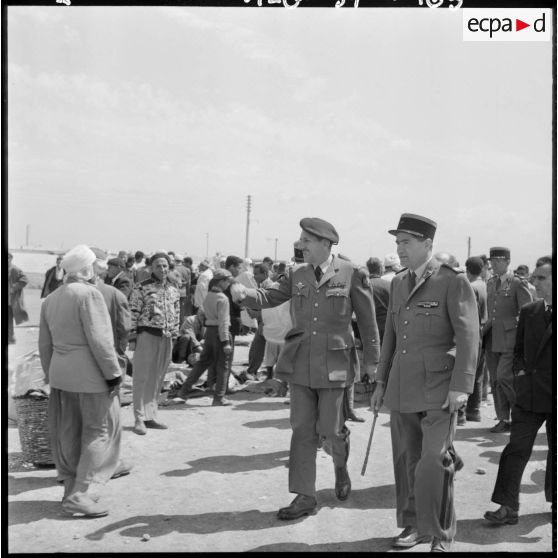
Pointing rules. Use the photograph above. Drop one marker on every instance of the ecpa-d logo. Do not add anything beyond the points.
(499, 24)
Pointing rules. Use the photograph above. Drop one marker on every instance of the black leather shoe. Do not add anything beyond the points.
(342, 483)
(156, 425)
(355, 418)
(440, 546)
(409, 537)
(504, 515)
(502, 426)
(301, 505)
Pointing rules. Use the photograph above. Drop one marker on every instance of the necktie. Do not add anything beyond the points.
(548, 314)
(318, 273)
(498, 283)
(412, 280)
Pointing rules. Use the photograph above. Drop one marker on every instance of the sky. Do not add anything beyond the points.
(148, 127)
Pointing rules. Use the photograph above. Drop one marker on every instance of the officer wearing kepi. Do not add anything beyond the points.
(319, 358)
(427, 368)
(506, 294)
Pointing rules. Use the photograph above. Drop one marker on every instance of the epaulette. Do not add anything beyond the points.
(522, 279)
(400, 271)
(454, 269)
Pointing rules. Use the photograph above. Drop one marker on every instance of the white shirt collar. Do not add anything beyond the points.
(326, 264)
(419, 271)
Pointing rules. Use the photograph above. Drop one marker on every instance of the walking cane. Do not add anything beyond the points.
(369, 444)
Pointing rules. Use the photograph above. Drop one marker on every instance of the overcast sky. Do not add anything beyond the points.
(147, 127)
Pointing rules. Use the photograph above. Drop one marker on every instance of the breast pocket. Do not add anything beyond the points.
(338, 299)
(430, 320)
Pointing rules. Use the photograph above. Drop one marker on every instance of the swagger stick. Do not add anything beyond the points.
(369, 444)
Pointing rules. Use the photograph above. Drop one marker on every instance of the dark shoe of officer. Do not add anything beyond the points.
(155, 425)
(342, 483)
(440, 546)
(301, 505)
(504, 515)
(473, 416)
(354, 417)
(409, 537)
(220, 402)
(502, 426)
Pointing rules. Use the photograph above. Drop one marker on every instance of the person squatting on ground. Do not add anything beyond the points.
(77, 353)
(155, 307)
(534, 401)
(427, 368)
(506, 294)
(319, 357)
(217, 347)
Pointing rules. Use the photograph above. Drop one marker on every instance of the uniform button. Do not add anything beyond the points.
(428, 313)
(493, 319)
(404, 351)
(315, 319)
(317, 291)
(404, 337)
(408, 308)
(313, 333)
(406, 322)
(316, 304)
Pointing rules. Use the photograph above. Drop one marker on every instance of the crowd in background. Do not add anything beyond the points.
(171, 310)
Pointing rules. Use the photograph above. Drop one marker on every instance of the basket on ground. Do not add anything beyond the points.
(32, 423)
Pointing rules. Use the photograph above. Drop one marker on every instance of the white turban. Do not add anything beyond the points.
(77, 258)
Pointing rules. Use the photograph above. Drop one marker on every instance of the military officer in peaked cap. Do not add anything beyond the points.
(506, 294)
(427, 368)
(319, 358)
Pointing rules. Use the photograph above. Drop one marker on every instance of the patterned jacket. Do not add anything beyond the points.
(155, 307)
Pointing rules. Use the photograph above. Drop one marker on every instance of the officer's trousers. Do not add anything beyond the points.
(501, 381)
(424, 472)
(316, 414)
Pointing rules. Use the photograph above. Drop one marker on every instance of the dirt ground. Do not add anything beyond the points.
(214, 480)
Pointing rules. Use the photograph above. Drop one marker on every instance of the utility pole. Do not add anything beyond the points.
(248, 209)
(468, 247)
(276, 241)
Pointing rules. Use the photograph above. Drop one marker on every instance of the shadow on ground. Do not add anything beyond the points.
(227, 464)
(252, 520)
(481, 532)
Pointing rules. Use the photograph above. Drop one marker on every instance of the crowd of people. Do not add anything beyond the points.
(431, 336)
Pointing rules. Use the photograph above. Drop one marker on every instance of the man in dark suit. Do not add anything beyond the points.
(534, 404)
(427, 368)
(54, 277)
(319, 358)
(116, 276)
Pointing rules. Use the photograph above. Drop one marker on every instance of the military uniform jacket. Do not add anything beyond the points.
(504, 304)
(431, 339)
(319, 350)
(532, 362)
